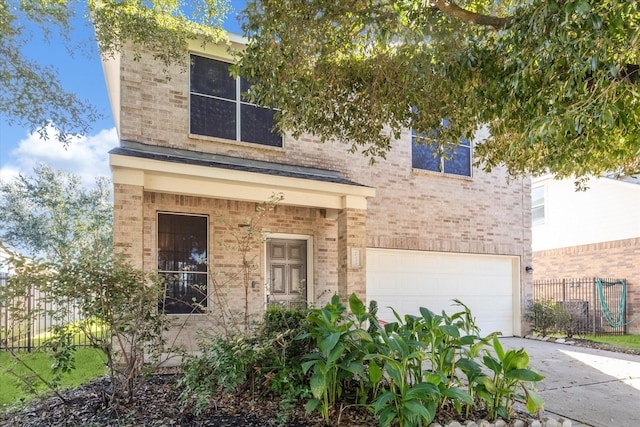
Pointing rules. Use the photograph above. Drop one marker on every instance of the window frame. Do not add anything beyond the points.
(204, 301)
(239, 102)
(442, 161)
(543, 205)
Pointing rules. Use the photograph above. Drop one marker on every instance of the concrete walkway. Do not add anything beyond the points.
(590, 387)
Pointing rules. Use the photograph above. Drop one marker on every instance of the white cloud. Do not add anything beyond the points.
(85, 156)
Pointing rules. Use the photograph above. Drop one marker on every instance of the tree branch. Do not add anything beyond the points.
(451, 9)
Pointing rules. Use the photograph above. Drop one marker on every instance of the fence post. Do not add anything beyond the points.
(625, 327)
(595, 303)
(30, 323)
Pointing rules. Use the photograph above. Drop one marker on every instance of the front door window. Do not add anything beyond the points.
(287, 266)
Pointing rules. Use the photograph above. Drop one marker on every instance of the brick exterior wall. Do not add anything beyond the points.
(419, 210)
(412, 209)
(616, 259)
(352, 235)
(225, 260)
(128, 230)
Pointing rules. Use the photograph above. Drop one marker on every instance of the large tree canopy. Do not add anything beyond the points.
(555, 81)
(31, 93)
(50, 215)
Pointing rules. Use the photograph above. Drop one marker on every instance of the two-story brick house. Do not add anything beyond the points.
(589, 234)
(410, 230)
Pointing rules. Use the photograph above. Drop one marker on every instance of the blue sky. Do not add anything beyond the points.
(82, 75)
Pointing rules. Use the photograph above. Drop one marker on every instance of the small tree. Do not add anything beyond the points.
(66, 231)
(116, 307)
(124, 300)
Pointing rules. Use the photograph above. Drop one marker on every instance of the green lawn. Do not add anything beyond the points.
(627, 341)
(90, 363)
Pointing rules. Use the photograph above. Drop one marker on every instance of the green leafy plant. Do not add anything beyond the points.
(404, 371)
(411, 368)
(405, 399)
(331, 364)
(223, 365)
(420, 354)
(279, 364)
(510, 372)
(124, 300)
(106, 291)
(338, 364)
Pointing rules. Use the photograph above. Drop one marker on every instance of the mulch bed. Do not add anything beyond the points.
(158, 404)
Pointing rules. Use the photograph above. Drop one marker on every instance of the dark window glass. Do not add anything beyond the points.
(458, 162)
(182, 262)
(185, 293)
(423, 156)
(213, 117)
(211, 77)
(214, 106)
(256, 126)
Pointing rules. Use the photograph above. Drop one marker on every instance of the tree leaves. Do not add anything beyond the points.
(31, 93)
(551, 84)
(51, 215)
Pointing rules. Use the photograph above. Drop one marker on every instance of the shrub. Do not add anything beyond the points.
(283, 326)
(283, 346)
(547, 316)
(116, 302)
(234, 363)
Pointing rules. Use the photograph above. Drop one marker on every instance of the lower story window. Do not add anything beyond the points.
(182, 262)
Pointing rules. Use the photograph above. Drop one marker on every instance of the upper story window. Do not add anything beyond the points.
(217, 108)
(456, 161)
(537, 205)
(182, 262)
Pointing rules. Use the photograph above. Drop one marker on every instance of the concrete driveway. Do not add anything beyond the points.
(587, 386)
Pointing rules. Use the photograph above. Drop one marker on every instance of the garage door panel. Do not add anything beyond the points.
(408, 280)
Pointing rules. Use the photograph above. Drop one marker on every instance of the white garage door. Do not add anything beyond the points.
(408, 280)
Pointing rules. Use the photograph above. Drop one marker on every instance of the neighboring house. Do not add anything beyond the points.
(592, 233)
(400, 231)
(4, 265)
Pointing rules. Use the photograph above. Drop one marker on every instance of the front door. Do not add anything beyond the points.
(287, 266)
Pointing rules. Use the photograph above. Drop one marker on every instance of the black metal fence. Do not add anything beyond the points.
(595, 305)
(38, 315)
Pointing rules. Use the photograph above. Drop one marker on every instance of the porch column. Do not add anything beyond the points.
(128, 222)
(352, 240)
